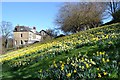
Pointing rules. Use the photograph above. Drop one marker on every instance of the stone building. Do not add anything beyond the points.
(24, 35)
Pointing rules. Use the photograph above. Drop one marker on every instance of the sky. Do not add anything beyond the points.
(39, 14)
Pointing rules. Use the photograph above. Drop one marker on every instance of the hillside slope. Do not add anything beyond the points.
(88, 54)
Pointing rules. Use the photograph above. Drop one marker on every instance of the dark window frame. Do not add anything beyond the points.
(21, 35)
(21, 42)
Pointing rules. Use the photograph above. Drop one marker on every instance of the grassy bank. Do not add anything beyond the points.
(88, 54)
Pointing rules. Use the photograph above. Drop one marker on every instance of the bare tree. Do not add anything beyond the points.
(51, 32)
(113, 7)
(6, 30)
(74, 17)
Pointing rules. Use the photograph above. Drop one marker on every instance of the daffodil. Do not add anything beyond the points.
(55, 65)
(90, 65)
(82, 67)
(60, 61)
(75, 71)
(68, 75)
(108, 60)
(103, 59)
(98, 69)
(40, 70)
(102, 53)
(105, 73)
(87, 66)
(110, 42)
(99, 75)
(62, 66)
(106, 36)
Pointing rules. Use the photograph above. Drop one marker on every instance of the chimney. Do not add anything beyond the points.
(34, 28)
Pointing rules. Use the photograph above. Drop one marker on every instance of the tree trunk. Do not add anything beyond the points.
(6, 43)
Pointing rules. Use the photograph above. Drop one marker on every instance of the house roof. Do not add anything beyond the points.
(27, 29)
(45, 32)
(22, 29)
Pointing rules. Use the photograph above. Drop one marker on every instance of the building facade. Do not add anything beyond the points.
(24, 35)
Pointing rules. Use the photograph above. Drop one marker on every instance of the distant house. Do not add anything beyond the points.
(24, 35)
(45, 35)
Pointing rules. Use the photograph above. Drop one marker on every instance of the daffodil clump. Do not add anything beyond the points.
(81, 66)
(88, 54)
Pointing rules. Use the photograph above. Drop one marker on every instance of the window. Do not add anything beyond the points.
(15, 42)
(26, 41)
(21, 29)
(21, 35)
(21, 42)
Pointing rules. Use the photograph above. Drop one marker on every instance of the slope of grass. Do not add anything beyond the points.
(88, 54)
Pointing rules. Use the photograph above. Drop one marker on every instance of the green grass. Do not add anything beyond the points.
(103, 39)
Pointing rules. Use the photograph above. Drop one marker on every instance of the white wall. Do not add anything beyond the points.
(38, 37)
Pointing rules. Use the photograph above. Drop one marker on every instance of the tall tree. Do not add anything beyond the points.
(116, 16)
(6, 30)
(74, 17)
